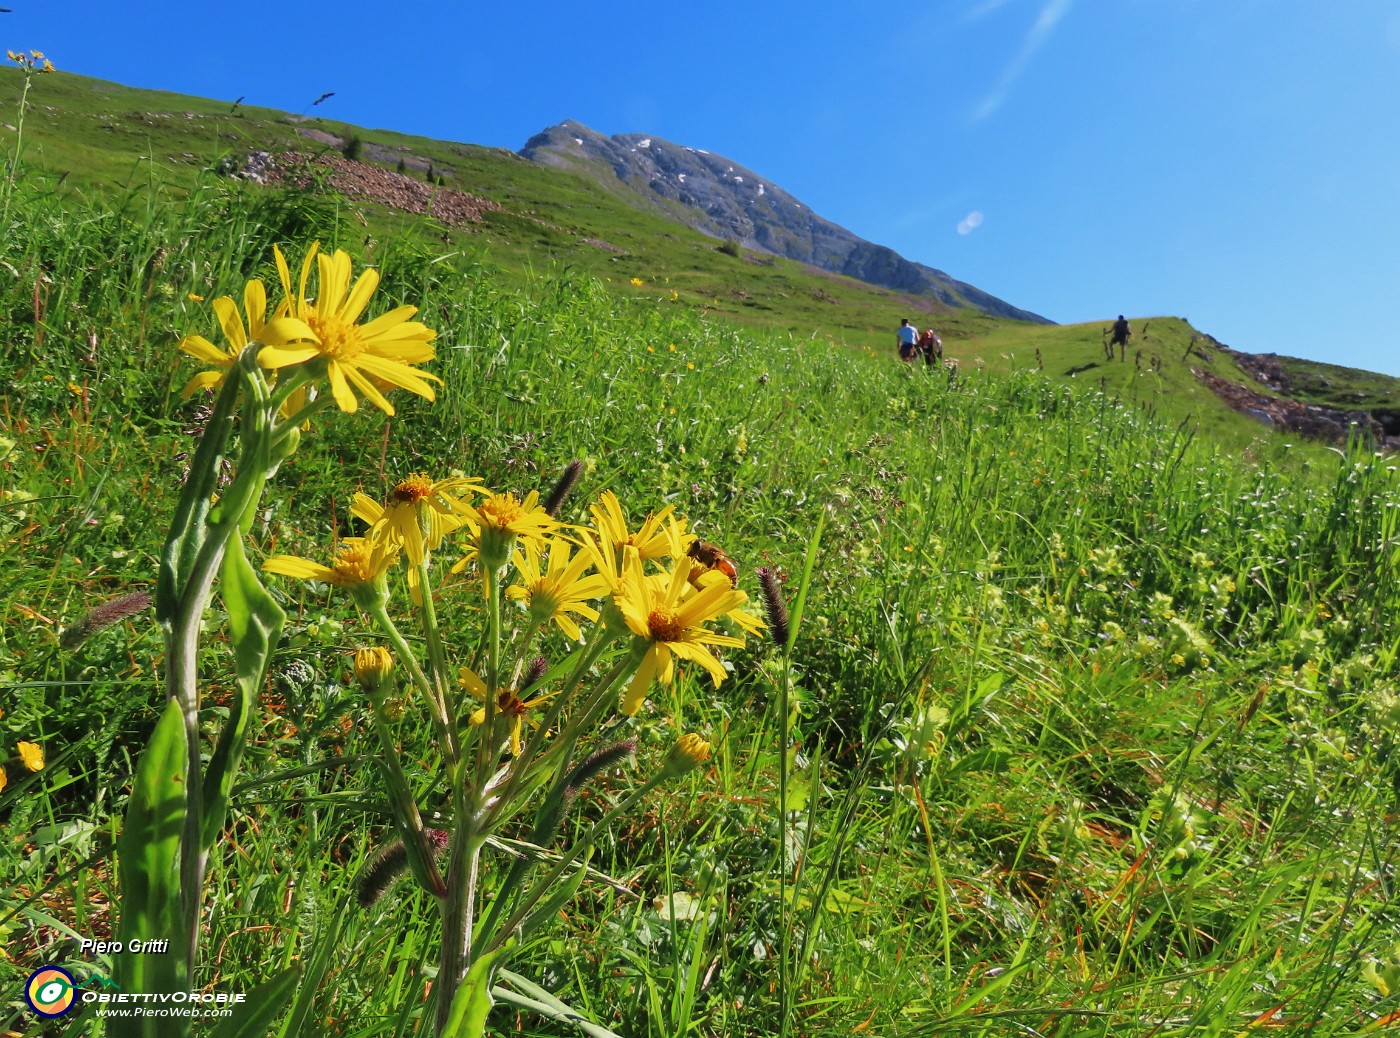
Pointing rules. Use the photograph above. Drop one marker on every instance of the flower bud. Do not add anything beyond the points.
(373, 669)
(31, 755)
(689, 753)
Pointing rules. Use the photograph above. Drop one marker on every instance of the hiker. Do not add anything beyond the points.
(1122, 332)
(931, 346)
(907, 339)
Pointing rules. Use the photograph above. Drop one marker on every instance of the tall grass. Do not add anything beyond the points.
(1093, 726)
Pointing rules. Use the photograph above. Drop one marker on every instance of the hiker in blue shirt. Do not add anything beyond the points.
(907, 338)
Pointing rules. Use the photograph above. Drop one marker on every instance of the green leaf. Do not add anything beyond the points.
(472, 1003)
(541, 1002)
(253, 1018)
(989, 758)
(809, 563)
(189, 527)
(255, 623)
(326, 945)
(563, 893)
(148, 856)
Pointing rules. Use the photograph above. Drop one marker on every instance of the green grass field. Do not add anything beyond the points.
(1092, 706)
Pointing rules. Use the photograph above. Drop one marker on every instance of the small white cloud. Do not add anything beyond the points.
(1052, 12)
(970, 222)
(983, 9)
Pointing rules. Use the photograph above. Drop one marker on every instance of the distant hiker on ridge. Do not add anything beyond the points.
(907, 339)
(1122, 332)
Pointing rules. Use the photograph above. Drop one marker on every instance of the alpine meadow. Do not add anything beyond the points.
(538, 617)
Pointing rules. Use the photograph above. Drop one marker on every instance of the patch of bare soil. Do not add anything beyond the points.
(396, 190)
(1321, 423)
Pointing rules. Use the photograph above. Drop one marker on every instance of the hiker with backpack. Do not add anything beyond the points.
(1122, 332)
(931, 347)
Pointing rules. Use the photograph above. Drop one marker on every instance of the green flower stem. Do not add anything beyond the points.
(447, 741)
(191, 598)
(437, 657)
(458, 908)
(784, 904)
(296, 378)
(565, 744)
(485, 747)
(405, 807)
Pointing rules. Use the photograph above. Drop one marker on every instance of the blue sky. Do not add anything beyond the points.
(1234, 162)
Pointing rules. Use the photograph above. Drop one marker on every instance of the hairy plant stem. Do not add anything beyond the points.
(437, 660)
(405, 807)
(192, 589)
(436, 709)
(469, 782)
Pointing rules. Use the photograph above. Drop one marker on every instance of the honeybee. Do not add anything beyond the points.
(712, 556)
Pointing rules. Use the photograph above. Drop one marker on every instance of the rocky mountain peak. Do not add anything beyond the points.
(718, 196)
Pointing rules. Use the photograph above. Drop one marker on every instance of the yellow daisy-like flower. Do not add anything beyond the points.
(4, 780)
(702, 577)
(660, 536)
(499, 521)
(558, 589)
(359, 561)
(419, 513)
(236, 334)
(667, 622)
(363, 357)
(508, 705)
(31, 755)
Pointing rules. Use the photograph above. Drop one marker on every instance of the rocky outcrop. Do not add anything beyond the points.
(363, 179)
(721, 198)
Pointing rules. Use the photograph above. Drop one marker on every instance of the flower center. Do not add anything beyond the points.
(509, 704)
(500, 510)
(664, 626)
(339, 340)
(353, 564)
(416, 487)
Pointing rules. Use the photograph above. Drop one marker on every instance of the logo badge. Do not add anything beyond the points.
(50, 991)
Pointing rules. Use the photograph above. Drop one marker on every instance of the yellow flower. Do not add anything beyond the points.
(31, 755)
(638, 282)
(4, 780)
(667, 622)
(360, 562)
(497, 522)
(660, 536)
(417, 516)
(508, 705)
(372, 668)
(236, 333)
(362, 357)
(690, 751)
(561, 589)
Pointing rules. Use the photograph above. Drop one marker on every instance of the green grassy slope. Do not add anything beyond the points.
(1069, 691)
(94, 134)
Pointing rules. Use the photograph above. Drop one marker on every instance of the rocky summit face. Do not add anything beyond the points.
(721, 198)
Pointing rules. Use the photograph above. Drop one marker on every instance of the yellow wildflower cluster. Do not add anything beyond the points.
(651, 584)
(34, 61)
(320, 334)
